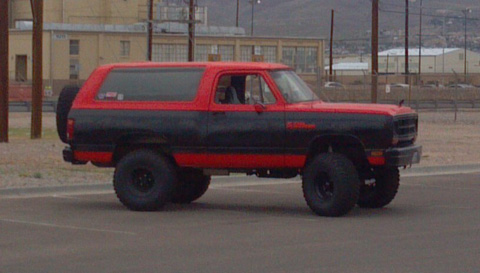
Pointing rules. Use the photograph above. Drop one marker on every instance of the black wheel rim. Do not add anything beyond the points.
(142, 180)
(324, 187)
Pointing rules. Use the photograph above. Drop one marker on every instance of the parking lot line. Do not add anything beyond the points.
(13, 221)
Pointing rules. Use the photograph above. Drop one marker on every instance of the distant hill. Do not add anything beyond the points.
(311, 18)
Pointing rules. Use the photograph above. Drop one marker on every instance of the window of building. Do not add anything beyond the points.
(151, 84)
(269, 54)
(74, 69)
(227, 52)
(302, 59)
(201, 52)
(74, 47)
(289, 56)
(124, 48)
(169, 53)
(246, 53)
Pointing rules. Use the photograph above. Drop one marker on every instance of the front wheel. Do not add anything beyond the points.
(331, 185)
(382, 190)
(144, 180)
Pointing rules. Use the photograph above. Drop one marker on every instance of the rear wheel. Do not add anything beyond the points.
(191, 185)
(144, 180)
(382, 190)
(331, 185)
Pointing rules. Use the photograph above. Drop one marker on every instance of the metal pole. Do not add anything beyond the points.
(4, 71)
(238, 7)
(465, 55)
(374, 50)
(191, 31)
(150, 30)
(37, 88)
(386, 70)
(331, 45)
(420, 41)
(253, 9)
(406, 42)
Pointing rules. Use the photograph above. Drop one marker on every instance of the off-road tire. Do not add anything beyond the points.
(382, 191)
(331, 185)
(144, 180)
(190, 186)
(64, 104)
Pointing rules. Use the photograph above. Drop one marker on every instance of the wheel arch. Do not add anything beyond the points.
(131, 142)
(347, 145)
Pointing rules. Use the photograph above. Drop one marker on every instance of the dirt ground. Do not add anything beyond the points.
(30, 163)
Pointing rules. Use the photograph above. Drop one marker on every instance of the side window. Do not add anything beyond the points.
(257, 91)
(243, 89)
(151, 84)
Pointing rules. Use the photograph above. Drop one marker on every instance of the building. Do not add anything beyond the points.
(434, 61)
(82, 35)
(348, 69)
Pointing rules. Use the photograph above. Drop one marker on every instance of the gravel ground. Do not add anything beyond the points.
(32, 163)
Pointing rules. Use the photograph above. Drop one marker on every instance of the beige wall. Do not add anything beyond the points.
(21, 44)
(104, 48)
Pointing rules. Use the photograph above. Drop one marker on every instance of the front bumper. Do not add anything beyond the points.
(403, 156)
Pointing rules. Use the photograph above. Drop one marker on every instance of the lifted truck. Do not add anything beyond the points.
(167, 127)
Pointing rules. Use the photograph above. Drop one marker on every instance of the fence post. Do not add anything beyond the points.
(456, 110)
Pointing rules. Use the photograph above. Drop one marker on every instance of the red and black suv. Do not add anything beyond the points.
(167, 127)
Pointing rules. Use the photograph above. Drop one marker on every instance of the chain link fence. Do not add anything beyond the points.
(420, 92)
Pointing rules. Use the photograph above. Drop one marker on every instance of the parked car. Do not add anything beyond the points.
(460, 86)
(432, 86)
(334, 85)
(399, 85)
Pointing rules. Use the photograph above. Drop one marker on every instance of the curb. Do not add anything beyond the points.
(52, 190)
(222, 181)
(440, 170)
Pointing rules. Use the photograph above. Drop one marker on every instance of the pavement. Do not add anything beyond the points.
(246, 225)
(106, 187)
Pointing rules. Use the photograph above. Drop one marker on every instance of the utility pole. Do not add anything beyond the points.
(150, 30)
(331, 46)
(465, 12)
(37, 88)
(420, 41)
(191, 31)
(238, 8)
(253, 10)
(374, 50)
(4, 71)
(406, 42)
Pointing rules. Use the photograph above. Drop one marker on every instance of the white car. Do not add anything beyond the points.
(432, 86)
(399, 85)
(460, 86)
(334, 85)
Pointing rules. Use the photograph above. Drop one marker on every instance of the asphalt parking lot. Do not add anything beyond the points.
(246, 225)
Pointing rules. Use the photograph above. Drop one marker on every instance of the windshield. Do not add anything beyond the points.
(293, 88)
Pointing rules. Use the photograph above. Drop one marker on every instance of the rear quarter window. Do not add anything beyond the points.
(151, 84)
